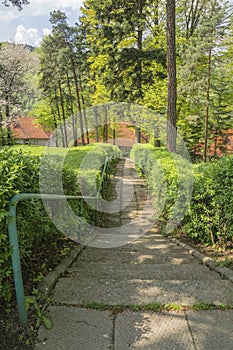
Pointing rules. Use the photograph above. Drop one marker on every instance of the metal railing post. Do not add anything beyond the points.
(16, 265)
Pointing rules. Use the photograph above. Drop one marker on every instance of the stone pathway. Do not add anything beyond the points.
(144, 274)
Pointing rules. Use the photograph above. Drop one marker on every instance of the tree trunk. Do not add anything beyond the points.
(105, 129)
(63, 114)
(55, 128)
(96, 125)
(59, 118)
(207, 108)
(138, 134)
(139, 47)
(78, 100)
(156, 19)
(74, 126)
(84, 112)
(171, 70)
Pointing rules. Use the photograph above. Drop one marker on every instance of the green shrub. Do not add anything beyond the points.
(210, 216)
(19, 173)
(169, 179)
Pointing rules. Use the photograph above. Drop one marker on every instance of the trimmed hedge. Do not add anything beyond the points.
(19, 173)
(207, 216)
(210, 216)
(169, 179)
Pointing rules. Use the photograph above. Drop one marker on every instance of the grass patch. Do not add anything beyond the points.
(154, 307)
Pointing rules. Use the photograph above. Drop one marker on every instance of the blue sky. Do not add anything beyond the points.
(29, 25)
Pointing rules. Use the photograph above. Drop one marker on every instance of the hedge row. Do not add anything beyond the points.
(169, 179)
(210, 215)
(19, 173)
(207, 215)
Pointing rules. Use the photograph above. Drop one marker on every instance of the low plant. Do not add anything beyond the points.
(39, 308)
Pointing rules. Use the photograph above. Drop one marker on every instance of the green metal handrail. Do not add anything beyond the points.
(13, 236)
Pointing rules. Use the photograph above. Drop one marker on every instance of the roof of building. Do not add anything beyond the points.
(124, 135)
(223, 144)
(28, 128)
(220, 144)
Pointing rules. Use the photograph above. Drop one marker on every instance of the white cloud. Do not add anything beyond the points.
(44, 7)
(38, 8)
(30, 36)
(34, 18)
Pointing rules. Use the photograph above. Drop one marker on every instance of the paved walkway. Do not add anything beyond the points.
(139, 278)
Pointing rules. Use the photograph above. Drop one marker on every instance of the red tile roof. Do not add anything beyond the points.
(220, 145)
(28, 128)
(124, 135)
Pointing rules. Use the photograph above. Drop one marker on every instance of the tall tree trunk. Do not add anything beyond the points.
(114, 135)
(74, 126)
(63, 114)
(171, 70)
(59, 118)
(78, 100)
(55, 128)
(105, 129)
(207, 108)
(156, 19)
(84, 111)
(96, 125)
(1, 130)
(139, 46)
(138, 134)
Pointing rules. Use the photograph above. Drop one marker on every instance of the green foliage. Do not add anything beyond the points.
(40, 309)
(169, 179)
(16, 172)
(124, 50)
(19, 173)
(210, 216)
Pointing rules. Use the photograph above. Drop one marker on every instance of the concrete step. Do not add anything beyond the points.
(119, 271)
(75, 291)
(150, 247)
(110, 257)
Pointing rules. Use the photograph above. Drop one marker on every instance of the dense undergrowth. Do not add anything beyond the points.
(205, 212)
(19, 173)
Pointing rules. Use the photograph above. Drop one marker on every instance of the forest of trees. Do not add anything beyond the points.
(124, 51)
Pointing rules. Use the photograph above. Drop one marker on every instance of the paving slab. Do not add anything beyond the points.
(119, 271)
(76, 291)
(111, 257)
(152, 248)
(212, 329)
(150, 331)
(77, 329)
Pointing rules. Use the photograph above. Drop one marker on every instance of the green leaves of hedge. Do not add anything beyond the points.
(169, 178)
(209, 212)
(210, 216)
(19, 173)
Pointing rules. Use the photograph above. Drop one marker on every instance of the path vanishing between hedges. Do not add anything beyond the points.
(139, 278)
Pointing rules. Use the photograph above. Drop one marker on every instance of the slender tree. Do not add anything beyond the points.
(64, 36)
(171, 70)
(202, 52)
